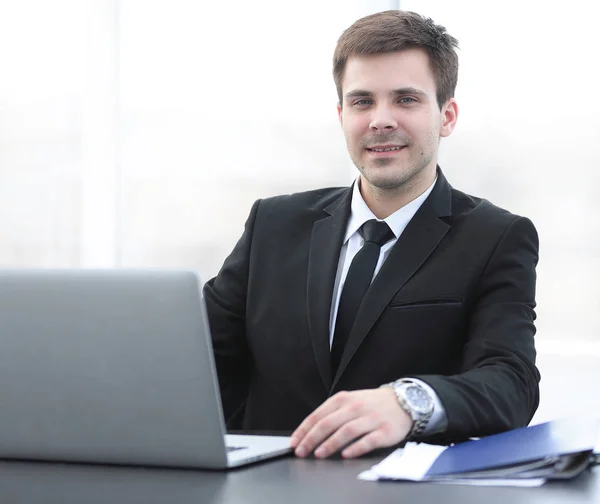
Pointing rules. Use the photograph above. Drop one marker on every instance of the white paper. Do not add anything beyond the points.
(369, 475)
(410, 463)
(413, 462)
(531, 482)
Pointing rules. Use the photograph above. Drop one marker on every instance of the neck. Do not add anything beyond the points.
(383, 202)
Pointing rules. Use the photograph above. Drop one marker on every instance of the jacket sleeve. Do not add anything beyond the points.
(225, 297)
(497, 388)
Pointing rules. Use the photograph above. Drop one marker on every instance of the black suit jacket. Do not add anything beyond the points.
(453, 305)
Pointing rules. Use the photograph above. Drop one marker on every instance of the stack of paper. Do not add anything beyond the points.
(414, 461)
(521, 457)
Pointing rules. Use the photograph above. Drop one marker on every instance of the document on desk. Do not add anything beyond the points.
(528, 456)
(412, 463)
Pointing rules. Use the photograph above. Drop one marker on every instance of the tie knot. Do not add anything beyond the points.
(376, 231)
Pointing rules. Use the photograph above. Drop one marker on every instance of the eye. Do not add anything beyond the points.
(362, 103)
(407, 100)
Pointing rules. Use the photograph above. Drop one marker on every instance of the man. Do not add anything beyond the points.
(440, 347)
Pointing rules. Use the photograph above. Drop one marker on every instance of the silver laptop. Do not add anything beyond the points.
(113, 366)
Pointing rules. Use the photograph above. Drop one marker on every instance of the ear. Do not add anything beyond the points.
(339, 111)
(449, 117)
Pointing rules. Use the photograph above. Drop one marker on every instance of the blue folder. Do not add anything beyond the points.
(519, 447)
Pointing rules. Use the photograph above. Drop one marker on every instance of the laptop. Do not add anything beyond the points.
(113, 367)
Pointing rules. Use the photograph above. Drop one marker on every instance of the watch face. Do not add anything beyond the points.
(418, 399)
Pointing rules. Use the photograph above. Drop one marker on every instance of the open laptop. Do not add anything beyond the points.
(113, 366)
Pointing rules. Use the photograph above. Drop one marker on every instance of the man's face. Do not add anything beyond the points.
(391, 119)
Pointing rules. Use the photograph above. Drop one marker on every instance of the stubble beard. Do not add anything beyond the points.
(406, 174)
(402, 178)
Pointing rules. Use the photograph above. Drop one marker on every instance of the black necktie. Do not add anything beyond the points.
(357, 283)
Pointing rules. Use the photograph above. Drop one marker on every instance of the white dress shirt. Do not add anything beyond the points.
(353, 241)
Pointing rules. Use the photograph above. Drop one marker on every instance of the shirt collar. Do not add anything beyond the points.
(361, 213)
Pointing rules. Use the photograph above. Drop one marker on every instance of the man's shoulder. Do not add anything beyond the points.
(475, 211)
(479, 208)
(305, 201)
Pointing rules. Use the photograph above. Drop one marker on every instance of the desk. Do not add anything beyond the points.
(282, 481)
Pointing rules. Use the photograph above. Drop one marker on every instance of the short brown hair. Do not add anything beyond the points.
(396, 30)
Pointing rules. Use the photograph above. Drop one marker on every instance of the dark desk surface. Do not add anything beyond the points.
(282, 481)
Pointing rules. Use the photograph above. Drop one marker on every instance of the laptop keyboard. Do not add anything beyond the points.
(234, 448)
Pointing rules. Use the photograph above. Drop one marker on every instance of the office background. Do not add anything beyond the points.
(139, 132)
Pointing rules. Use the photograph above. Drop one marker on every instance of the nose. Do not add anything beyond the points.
(383, 119)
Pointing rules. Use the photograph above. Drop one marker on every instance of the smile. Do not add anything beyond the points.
(385, 149)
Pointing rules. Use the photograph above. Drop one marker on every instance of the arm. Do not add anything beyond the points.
(225, 297)
(497, 388)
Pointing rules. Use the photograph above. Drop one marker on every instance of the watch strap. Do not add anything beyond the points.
(420, 420)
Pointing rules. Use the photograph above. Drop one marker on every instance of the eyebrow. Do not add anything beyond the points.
(361, 93)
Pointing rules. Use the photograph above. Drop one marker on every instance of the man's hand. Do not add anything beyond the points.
(372, 415)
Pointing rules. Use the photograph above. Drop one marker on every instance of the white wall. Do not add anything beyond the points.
(40, 134)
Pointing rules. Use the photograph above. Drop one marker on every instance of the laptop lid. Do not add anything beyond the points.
(111, 366)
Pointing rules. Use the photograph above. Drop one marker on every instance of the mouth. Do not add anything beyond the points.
(385, 149)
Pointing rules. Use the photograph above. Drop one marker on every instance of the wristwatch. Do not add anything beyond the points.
(416, 401)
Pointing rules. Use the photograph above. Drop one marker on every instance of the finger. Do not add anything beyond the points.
(348, 432)
(369, 442)
(328, 407)
(325, 427)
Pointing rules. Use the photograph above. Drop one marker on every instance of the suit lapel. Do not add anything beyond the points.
(420, 238)
(325, 246)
